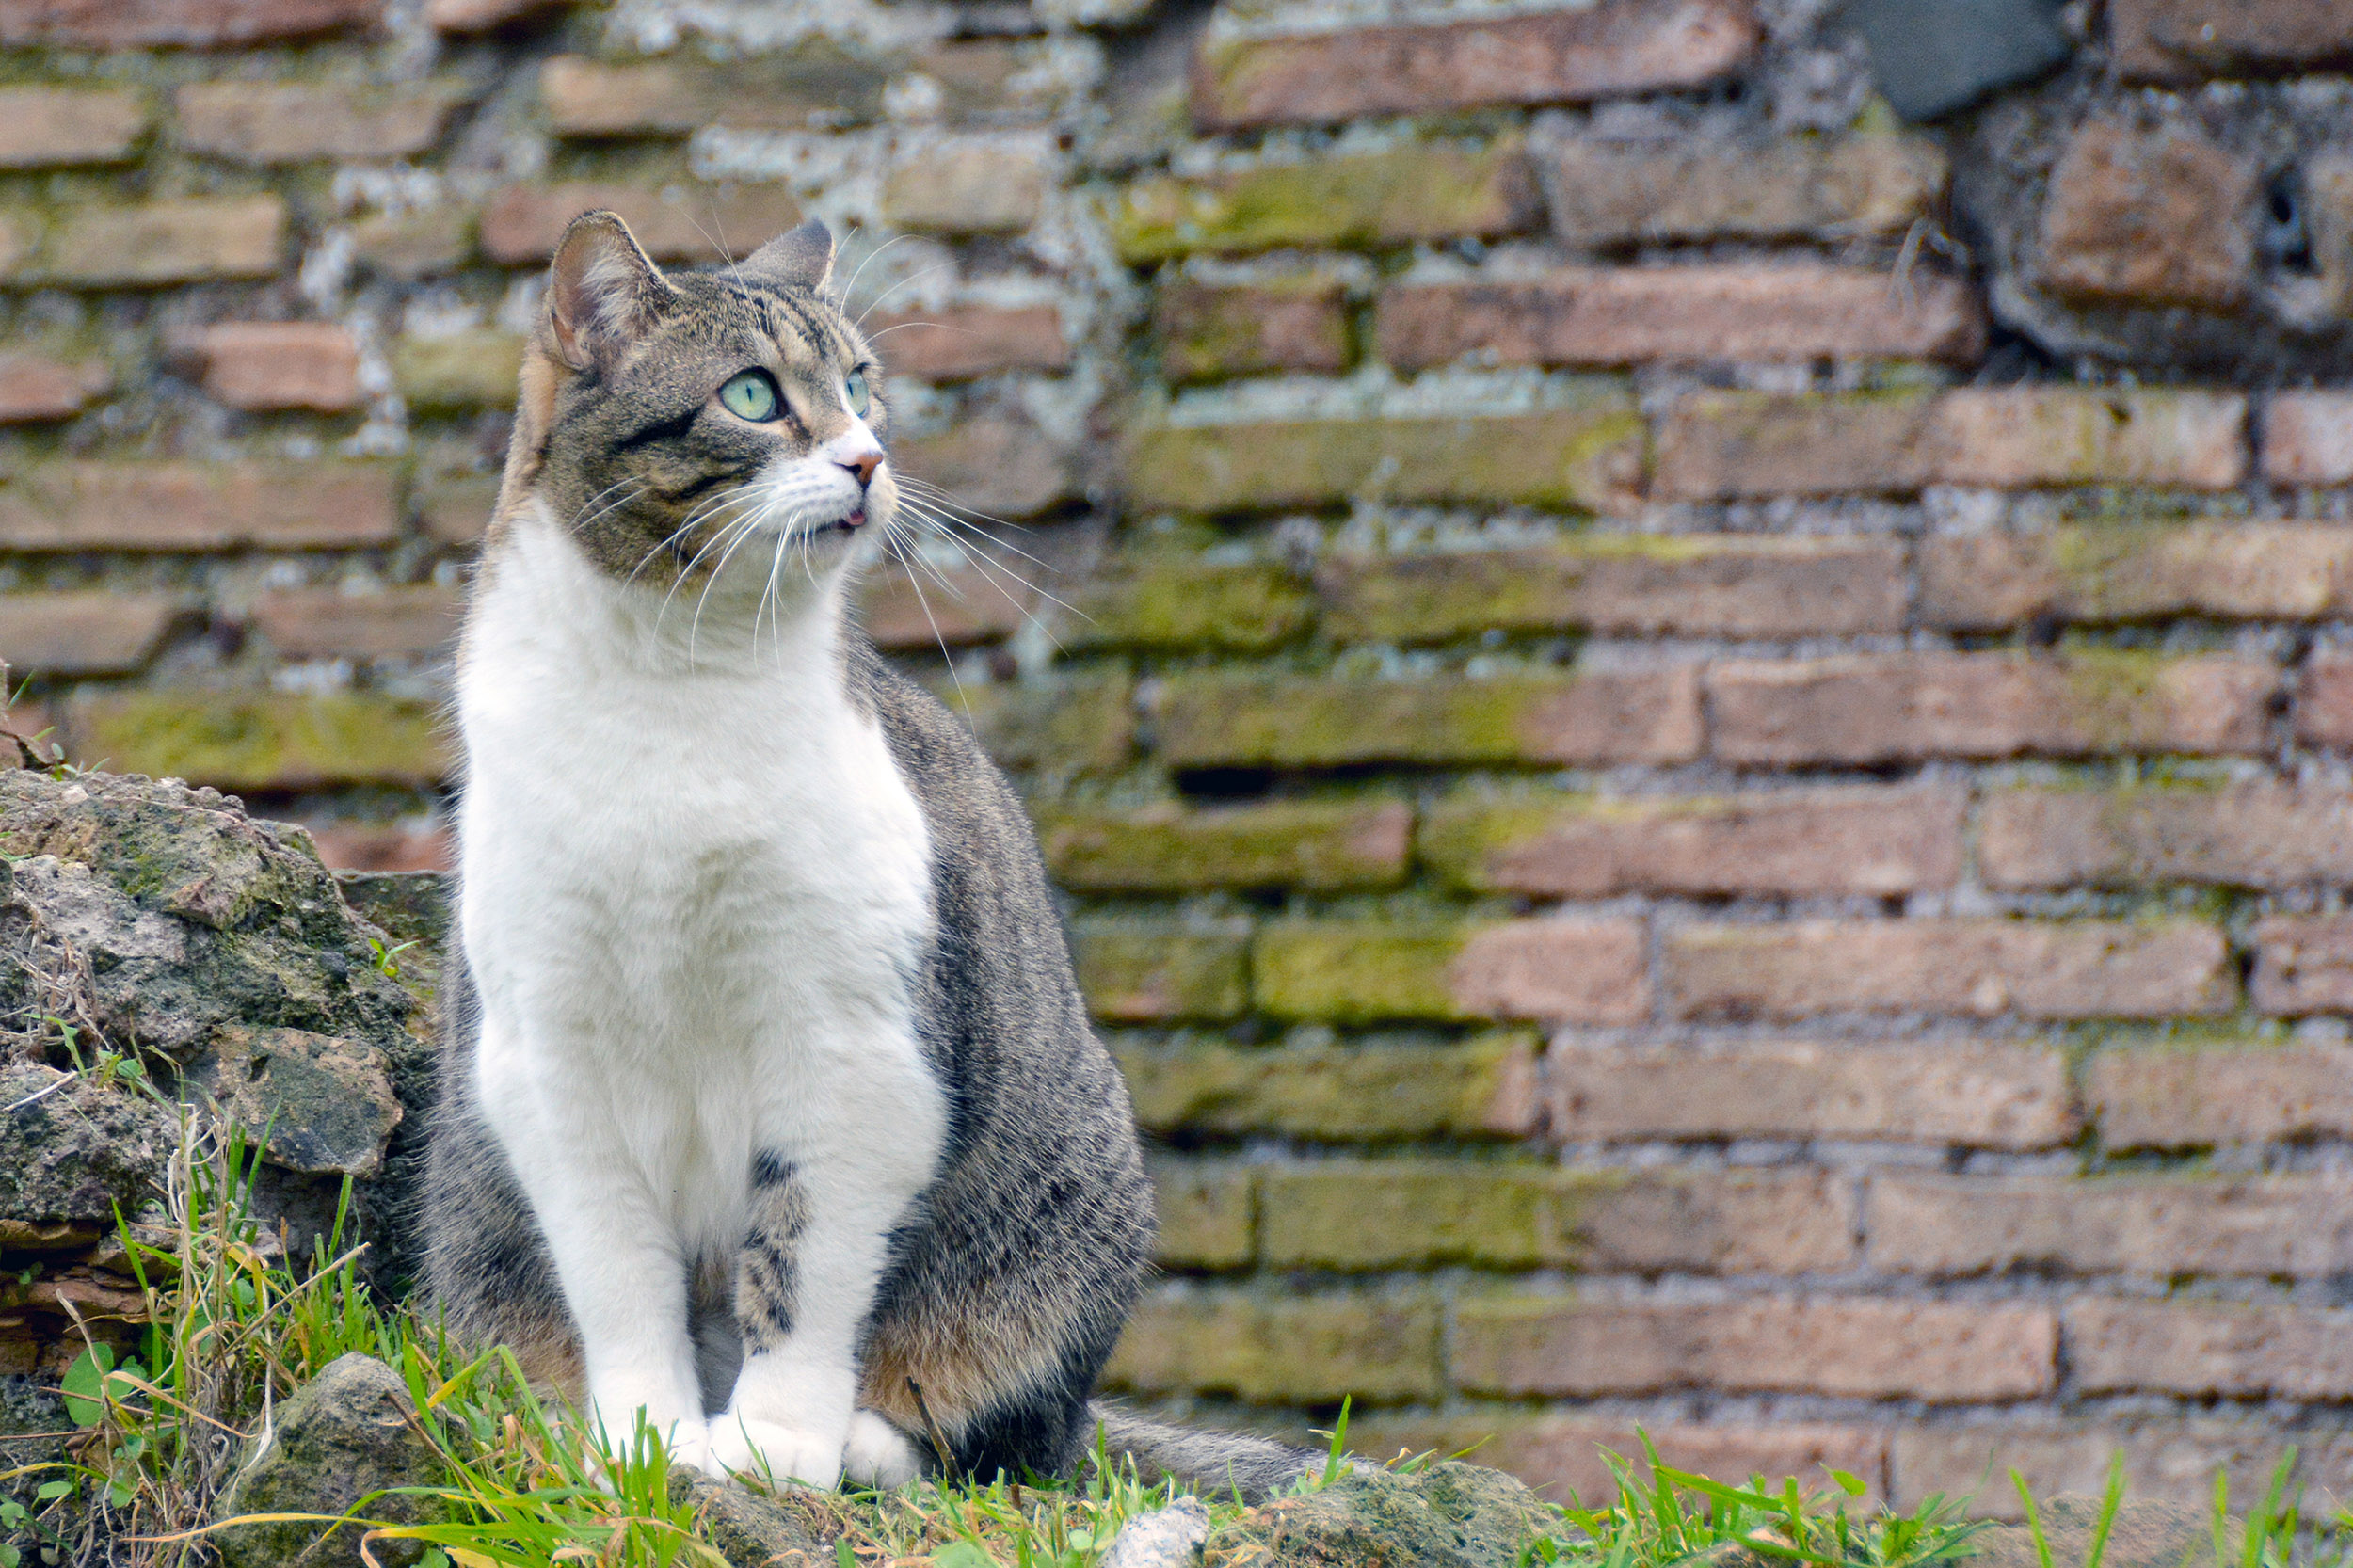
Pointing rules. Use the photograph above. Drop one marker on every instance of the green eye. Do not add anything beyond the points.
(855, 390)
(751, 395)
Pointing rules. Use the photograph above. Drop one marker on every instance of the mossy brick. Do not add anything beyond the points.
(75, 506)
(1208, 1212)
(477, 369)
(261, 740)
(1634, 585)
(2136, 571)
(185, 240)
(1246, 606)
(1366, 972)
(1377, 1348)
(1605, 192)
(1167, 848)
(456, 508)
(1220, 720)
(1432, 192)
(1413, 1213)
(1586, 457)
(1137, 973)
(1208, 332)
(810, 87)
(1481, 1087)
(1082, 725)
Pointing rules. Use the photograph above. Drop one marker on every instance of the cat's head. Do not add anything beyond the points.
(671, 422)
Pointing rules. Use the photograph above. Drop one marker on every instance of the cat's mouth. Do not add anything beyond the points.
(849, 524)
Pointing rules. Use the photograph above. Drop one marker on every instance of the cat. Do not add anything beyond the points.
(769, 1105)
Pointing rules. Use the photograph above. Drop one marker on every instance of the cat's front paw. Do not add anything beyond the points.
(738, 1443)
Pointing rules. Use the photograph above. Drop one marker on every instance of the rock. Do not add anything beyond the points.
(1168, 1538)
(1450, 1515)
(350, 1434)
(2145, 1535)
(1931, 57)
(73, 1152)
(325, 1103)
(752, 1530)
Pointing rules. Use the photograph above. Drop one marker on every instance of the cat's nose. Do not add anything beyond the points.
(863, 464)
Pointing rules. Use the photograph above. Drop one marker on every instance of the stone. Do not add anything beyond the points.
(1931, 57)
(43, 127)
(747, 1529)
(336, 1446)
(2157, 217)
(75, 1153)
(2171, 40)
(1167, 1537)
(1448, 1515)
(313, 1102)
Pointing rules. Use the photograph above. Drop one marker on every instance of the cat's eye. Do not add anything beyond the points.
(855, 389)
(751, 395)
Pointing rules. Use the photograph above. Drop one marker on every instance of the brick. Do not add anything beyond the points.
(2136, 571)
(1376, 1349)
(673, 97)
(1481, 1087)
(2170, 1096)
(683, 223)
(1722, 446)
(1627, 315)
(1182, 601)
(992, 465)
(2303, 964)
(257, 741)
(1984, 1093)
(2307, 438)
(1926, 1223)
(76, 632)
(970, 185)
(1630, 585)
(1871, 842)
(455, 509)
(1002, 81)
(1298, 722)
(2180, 1348)
(1080, 726)
(957, 343)
(1207, 334)
(2165, 1461)
(1432, 192)
(1167, 848)
(183, 505)
(409, 246)
(200, 23)
(190, 241)
(324, 623)
(480, 16)
(1880, 708)
(1610, 193)
(34, 387)
(1585, 458)
(903, 608)
(478, 368)
(383, 847)
(1581, 972)
(276, 364)
(1159, 973)
(286, 122)
(2323, 709)
(1208, 1213)
(1969, 967)
(1561, 1455)
(1859, 1348)
(2173, 39)
(1416, 1213)
(2147, 217)
(1618, 46)
(2254, 835)
(41, 127)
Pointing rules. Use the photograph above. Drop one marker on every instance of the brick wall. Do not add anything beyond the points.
(1698, 740)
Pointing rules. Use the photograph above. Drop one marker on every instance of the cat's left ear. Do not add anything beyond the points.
(799, 258)
(602, 289)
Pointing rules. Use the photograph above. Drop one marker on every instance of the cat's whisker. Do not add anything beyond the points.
(876, 303)
(999, 573)
(871, 257)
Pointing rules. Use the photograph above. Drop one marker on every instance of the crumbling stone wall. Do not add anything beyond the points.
(1698, 738)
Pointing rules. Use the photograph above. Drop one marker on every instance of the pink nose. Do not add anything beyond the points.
(863, 465)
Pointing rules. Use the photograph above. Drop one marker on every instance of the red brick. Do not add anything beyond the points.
(94, 632)
(975, 185)
(34, 387)
(2181, 1347)
(1607, 193)
(2307, 438)
(993, 467)
(1208, 332)
(187, 241)
(203, 24)
(1969, 967)
(2263, 571)
(285, 122)
(1616, 47)
(906, 607)
(1926, 1223)
(1795, 842)
(179, 505)
(1854, 1347)
(2303, 964)
(455, 509)
(959, 341)
(1735, 311)
(2256, 835)
(1364, 971)
(372, 847)
(276, 364)
(2170, 1096)
(2147, 217)
(1961, 1092)
(673, 97)
(481, 16)
(1311, 1348)
(2166, 1461)
(1880, 708)
(323, 623)
(1630, 585)
(2173, 39)
(1561, 1455)
(1586, 971)
(1721, 446)
(45, 126)
(1164, 848)
(2323, 711)
(406, 247)
(522, 223)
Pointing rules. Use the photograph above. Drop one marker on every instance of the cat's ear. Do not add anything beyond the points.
(799, 258)
(603, 290)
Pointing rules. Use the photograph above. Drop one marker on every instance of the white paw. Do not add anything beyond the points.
(771, 1449)
(878, 1454)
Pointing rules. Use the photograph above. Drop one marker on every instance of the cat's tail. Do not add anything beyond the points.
(1212, 1463)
